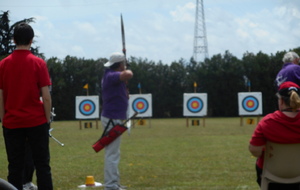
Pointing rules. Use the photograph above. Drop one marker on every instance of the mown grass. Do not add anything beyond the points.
(166, 155)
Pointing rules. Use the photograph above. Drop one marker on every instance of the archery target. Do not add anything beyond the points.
(195, 104)
(141, 103)
(250, 103)
(87, 107)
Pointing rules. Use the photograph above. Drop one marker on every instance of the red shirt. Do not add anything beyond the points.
(276, 127)
(22, 75)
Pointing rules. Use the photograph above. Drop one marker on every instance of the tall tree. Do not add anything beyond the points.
(6, 35)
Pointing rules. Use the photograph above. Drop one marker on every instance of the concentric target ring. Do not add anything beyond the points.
(140, 105)
(250, 103)
(87, 107)
(194, 104)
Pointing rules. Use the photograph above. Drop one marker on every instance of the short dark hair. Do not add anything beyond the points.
(23, 34)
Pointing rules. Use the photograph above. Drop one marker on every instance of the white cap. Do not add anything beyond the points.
(115, 58)
(290, 57)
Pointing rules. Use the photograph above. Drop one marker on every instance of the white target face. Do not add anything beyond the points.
(141, 103)
(87, 107)
(194, 104)
(250, 103)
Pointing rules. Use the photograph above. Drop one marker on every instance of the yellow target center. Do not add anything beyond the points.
(87, 107)
(250, 104)
(195, 104)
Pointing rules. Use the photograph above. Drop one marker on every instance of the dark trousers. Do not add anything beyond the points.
(29, 165)
(276, 186)
(15, 143)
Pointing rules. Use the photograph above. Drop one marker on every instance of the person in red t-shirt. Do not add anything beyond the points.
(23, 78)
(282, 127)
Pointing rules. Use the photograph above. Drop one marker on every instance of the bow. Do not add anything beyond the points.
(127, 65)
(123, 40)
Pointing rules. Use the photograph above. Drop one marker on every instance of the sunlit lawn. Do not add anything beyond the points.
(163, 154)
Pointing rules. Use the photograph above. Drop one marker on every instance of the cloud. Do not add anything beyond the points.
(267, 29)
(78, 50)
(159, 30)
(184, 13)
(85, 27)
(161, 36)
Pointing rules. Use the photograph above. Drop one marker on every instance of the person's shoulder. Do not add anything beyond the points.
(293, 68)
(37, 59)
(271, 116)
(112, 72)
(34, 56)
(7, 58)
(297, 66)
(292, 65)
(289, 67)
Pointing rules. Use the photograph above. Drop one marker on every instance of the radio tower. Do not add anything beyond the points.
(200, 41)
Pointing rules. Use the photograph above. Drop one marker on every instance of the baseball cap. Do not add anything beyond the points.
(290, 57)
(115, 58)
(286, 87)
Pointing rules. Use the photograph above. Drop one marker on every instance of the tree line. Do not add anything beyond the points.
(222, 76)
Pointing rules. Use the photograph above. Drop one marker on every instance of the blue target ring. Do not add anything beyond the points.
(194, 104)
(140, 105)
(87, 107)
(250, 103)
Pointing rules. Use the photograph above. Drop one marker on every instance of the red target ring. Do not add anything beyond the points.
(250, 103)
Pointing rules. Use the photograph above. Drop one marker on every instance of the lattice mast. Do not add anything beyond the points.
(200, 40)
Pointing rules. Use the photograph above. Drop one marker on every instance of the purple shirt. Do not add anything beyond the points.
(289, 72)
(114, 95)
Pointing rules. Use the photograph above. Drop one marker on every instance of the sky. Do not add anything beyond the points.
(158, 30)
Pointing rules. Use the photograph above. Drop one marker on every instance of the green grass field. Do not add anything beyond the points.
(164, 156)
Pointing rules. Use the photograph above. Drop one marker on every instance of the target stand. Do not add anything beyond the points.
(141, 122)
(196, 121)
(87, 108)
(250, 105)
(250, 120)
(88, 124)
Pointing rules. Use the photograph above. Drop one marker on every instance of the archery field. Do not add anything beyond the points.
(162, 154)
